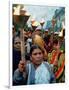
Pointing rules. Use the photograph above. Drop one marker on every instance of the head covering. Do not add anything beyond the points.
(56, 33)
(39, 41)
(38, 28)
(46, 30)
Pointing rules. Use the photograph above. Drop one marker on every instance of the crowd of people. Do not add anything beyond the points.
(44, 61)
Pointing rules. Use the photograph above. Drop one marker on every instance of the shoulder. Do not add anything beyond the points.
(17, 72)
(61, 56)
(53, 51)
(49, 66)
(46, 63)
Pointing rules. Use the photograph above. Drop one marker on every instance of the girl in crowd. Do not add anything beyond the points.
(58, 61)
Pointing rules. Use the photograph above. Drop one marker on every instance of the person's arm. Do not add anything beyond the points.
(20, 75)
(18, 78)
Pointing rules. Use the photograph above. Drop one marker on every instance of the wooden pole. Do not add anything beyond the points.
(22, 45)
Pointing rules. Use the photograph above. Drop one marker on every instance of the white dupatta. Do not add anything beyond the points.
(42, 75)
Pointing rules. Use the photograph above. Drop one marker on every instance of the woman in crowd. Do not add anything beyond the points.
(58, 61)
(37, 71)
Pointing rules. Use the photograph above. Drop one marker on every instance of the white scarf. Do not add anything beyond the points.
(42, 75)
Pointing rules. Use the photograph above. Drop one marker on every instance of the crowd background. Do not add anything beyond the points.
(51, 43)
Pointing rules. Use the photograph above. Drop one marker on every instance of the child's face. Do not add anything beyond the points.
(56, 46)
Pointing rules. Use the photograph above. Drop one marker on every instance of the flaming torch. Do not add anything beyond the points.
(33, 23)
(21, 17)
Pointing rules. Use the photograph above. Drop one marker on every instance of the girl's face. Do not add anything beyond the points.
(37, 56)
(57, 46)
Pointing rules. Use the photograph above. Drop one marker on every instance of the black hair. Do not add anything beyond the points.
(35, 47)
(47, 39)
(55, 41)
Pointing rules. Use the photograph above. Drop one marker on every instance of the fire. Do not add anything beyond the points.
(17, 10)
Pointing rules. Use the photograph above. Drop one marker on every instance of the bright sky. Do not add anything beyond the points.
(39, 12)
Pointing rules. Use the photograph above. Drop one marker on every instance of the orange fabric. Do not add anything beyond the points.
(60, 70)
(53, 57)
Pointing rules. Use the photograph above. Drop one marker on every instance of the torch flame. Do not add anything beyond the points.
(17, 10)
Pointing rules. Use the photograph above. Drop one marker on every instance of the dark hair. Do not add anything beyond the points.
(55, 41)
(47, 39)
(35, 47)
